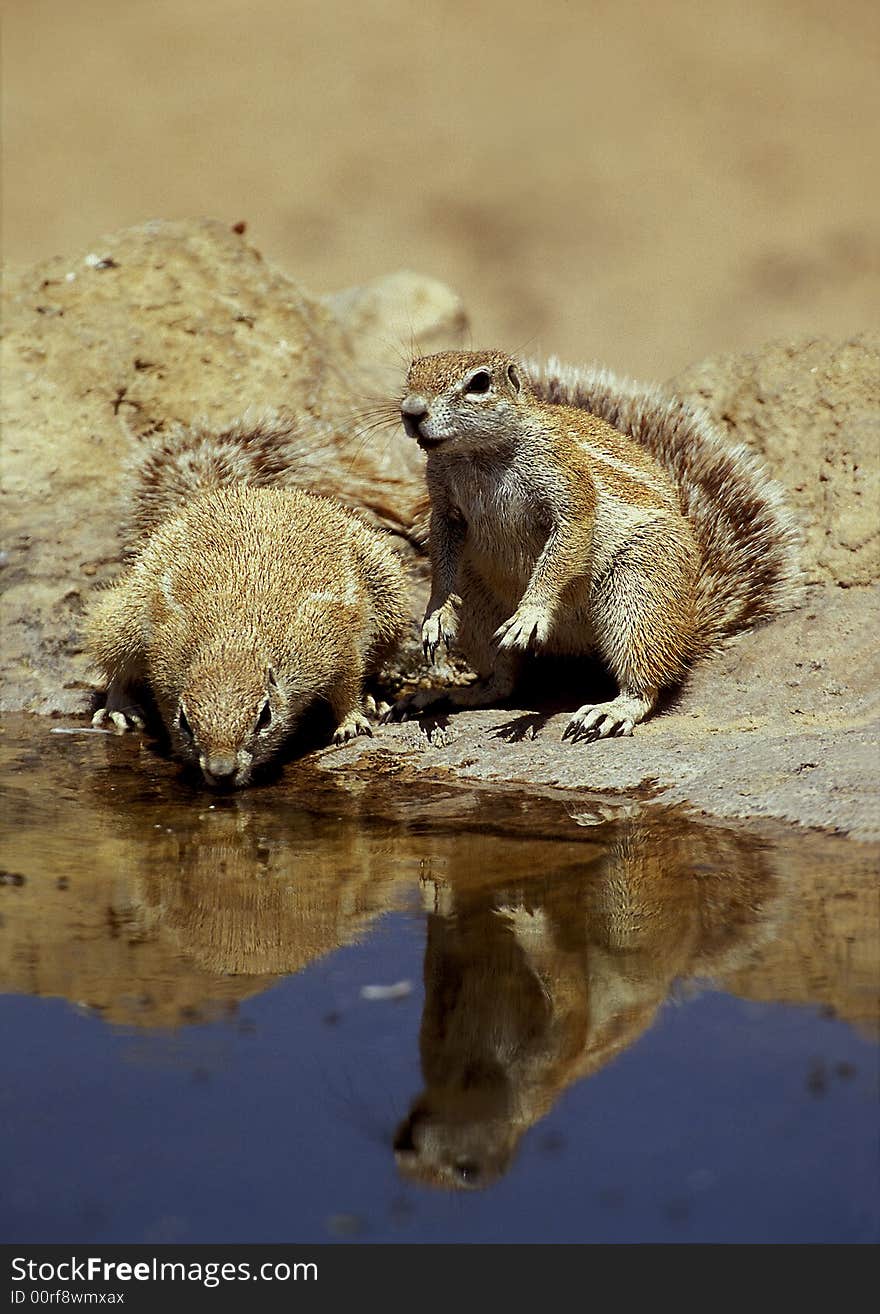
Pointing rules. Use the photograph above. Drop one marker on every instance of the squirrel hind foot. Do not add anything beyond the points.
(602, 720)
(412, 705)
(375, 711)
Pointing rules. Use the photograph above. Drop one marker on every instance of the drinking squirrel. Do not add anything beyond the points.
(243, 602)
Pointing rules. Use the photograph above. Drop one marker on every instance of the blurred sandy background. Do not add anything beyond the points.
(645, 183)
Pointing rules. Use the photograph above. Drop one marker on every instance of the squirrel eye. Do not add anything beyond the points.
(481, 382)
(264, 720)
(467, 1170)
(183, 724)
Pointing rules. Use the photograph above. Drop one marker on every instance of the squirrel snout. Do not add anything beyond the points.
(219, 769)
(414, 404)
(413, 410)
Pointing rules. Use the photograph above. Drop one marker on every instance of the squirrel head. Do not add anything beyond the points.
(232, 715)
(457, 1143)
(464, 399)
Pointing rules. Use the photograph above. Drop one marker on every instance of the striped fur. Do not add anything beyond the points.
(749, 543)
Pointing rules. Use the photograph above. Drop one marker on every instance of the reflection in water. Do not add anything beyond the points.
(156, 908)
(553, 937)
(531, 986)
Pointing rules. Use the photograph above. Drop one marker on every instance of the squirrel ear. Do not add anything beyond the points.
(514, 378)
(270, 677)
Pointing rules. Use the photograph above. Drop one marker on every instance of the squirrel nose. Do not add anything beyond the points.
(219, 767)
(413, 410)
(414, 405)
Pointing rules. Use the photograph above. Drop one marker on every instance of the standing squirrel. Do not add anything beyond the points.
(572, 513)
(243, 603)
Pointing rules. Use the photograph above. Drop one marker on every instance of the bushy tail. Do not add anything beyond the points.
(748, 541)
(175, 466)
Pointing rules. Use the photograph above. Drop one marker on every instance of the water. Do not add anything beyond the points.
(605, 1024)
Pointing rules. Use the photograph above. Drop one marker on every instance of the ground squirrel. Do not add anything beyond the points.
(242, 604)
(572, 513)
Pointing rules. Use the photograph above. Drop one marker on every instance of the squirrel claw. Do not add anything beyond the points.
(405, 709)
(438, 627)
(354, 724)
(527, 628)
(399, 711)
(376, 711)
(602, 720)
(580, 734)
(120, 721)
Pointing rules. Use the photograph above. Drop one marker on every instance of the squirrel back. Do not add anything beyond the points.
(748, 540)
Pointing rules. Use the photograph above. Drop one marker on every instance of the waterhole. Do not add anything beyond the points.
(375, 1009)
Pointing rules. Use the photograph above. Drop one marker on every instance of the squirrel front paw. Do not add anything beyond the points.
(527, 628)
(439, 626)
(351, 726)
(120, 720)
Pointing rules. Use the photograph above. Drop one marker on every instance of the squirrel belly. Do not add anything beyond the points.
(571, 514)
(242, 605)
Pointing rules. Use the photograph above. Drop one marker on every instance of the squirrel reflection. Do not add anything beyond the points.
(236, 900)
(153, 913)
(530, 987)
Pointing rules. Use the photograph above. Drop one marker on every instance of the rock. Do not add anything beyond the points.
(401, 315)
(812, 409)
(161, 323)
